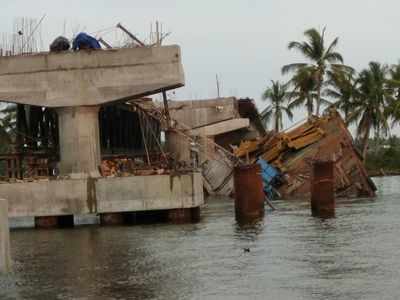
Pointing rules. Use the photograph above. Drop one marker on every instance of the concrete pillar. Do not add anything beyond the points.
(207, 148)
(79, 140)
(5, 256)
(51, 222)
(184, 215)
(178, 146)
(46, 222)
(112, 219)
(322, 189)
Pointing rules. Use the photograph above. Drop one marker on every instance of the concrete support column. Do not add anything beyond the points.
(178, 146)
(184, 215)
(112, 219)
(79, 140)
(5, 257)
(50, 222)
(207, 148)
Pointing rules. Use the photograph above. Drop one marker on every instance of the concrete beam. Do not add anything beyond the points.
(5, 256)
(91, 77)
(221, 127)
(198, 113)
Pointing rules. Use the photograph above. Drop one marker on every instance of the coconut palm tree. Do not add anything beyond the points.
(343, 89)
(370, 108)
(394, 84)
(320, 59)
(278, 95)
(303, 92)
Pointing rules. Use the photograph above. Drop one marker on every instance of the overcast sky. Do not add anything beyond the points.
(244, 41)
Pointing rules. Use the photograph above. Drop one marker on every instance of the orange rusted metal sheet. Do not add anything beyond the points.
(306, 140)
(246, 147)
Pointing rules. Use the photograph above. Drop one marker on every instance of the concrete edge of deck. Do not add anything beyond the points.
(103, 195)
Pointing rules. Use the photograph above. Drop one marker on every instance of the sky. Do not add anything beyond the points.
(243, 41)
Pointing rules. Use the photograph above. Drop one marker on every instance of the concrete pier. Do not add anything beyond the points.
(5, 256)
(184, 215)
(112, 219)
(178, 145)
(51, 222)
(79, 140)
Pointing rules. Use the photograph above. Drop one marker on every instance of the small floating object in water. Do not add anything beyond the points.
(246, 249)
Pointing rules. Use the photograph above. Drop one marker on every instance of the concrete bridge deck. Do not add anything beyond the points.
(89, 77)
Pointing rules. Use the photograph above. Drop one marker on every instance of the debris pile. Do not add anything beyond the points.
(293, 151)
(124, 167)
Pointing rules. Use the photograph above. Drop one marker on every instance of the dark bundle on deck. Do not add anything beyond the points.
(60, 44)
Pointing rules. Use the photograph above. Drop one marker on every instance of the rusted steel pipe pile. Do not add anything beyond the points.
(249, 193)
(322, 189)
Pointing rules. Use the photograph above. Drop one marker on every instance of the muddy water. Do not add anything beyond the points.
(291, 256)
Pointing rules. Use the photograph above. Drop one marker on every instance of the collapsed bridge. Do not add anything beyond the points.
(76, 87)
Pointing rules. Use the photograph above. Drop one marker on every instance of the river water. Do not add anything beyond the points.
(291, 256)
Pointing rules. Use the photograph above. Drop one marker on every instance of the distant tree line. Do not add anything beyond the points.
(383, 157)
(369, 99)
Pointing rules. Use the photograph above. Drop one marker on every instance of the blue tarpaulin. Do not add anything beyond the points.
(268, 174)
(85, 41)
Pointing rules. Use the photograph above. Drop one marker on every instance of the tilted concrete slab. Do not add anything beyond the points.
(103, 195)
(221, 127)
(89, 77)
(198, 113)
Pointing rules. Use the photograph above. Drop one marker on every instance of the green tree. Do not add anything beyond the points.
(394, 85)
(7, 126)
(303, 93)
(321, 59)
(343, 89)
(277, 94)
(370, 109)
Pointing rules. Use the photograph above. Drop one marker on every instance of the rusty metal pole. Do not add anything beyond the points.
(103, 42)
(131, 35)
(166, 108)
(249, 193)
(322, 189)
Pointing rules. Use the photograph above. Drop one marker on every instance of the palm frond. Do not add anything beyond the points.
(293, 67)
